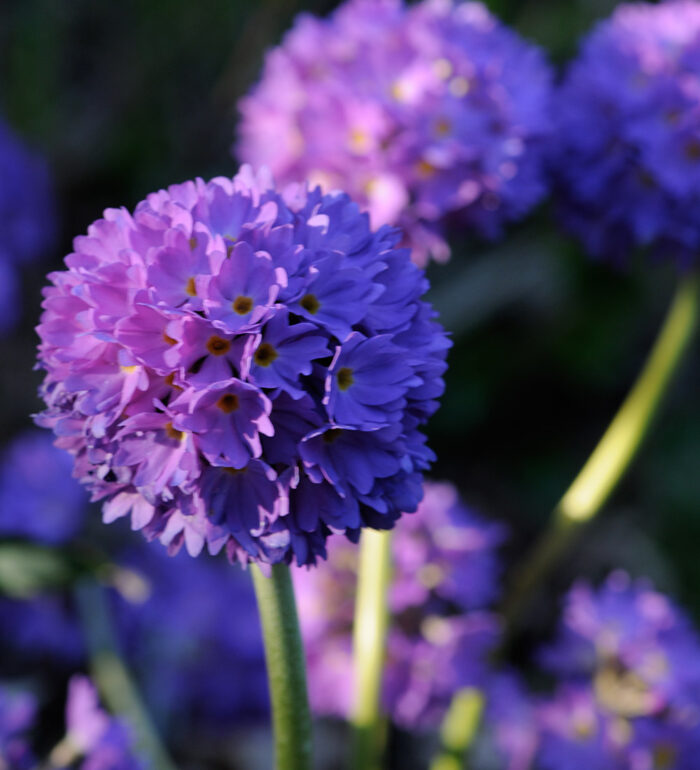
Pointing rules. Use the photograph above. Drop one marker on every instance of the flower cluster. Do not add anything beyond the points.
(100, 741)
(627, 150)
(629, 692)
(428, 114)
(242, 368)
(444, 573)
(26, 216)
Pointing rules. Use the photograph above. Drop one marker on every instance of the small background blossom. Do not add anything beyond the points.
(627, 142)
(428, 115)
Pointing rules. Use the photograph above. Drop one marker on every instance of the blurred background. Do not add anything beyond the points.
(122, 99)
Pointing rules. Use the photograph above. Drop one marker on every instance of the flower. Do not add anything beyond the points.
(639, 647)
(509, 722)
(443, 564)
(627, 151)
(629, 690)
(38, 498)
(428, 115)
(17, 715)
(237, 410)
(103, 742)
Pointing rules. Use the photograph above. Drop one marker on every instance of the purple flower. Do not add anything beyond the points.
(242, 369)
(431, 651)
(627, 150)
(17, 716)
(429, 115)
(38, 498)
(629, 690)
(627, 631)
(574, 733)
(511, 730)
(103, 742)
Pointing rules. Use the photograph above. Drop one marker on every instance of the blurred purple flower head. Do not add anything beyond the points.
(627, 150)
(510, 721)
(575, 733)
(434, 648)
(242, 368)
(38, 497)
(103, 742)
(629, 693)
(17, 715)
(427, 115)
(640, 649)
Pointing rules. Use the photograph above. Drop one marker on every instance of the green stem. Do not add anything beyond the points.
(286, 670)
(615, 451)
(112, 677)
(369, 639)
(458, 729)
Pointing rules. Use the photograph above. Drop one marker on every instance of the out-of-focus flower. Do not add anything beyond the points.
(38, 497)
(427, 115)
(27, 217)
(629, 693)
(103, 742)
(639, 647)
(433, 648)
(243, 369)
(510, 730)
(574, 733)
(17, 715)
(627, 144)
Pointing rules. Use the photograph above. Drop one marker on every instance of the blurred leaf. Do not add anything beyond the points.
(27, 569)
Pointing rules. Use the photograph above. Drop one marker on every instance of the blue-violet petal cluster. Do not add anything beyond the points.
(243, 368)
(627, 149)
(428, 115)
(628, 663)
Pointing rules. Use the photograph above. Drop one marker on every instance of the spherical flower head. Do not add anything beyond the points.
(429, 115)
(638, 648)
(17, 716)
(432, 650)
(243, 369)
(627, 149)
(38, 498)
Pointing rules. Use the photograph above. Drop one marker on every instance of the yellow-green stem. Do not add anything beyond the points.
(112, 677)
(458, 730)
(369, 641)
(615, 451)
(286, 667)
